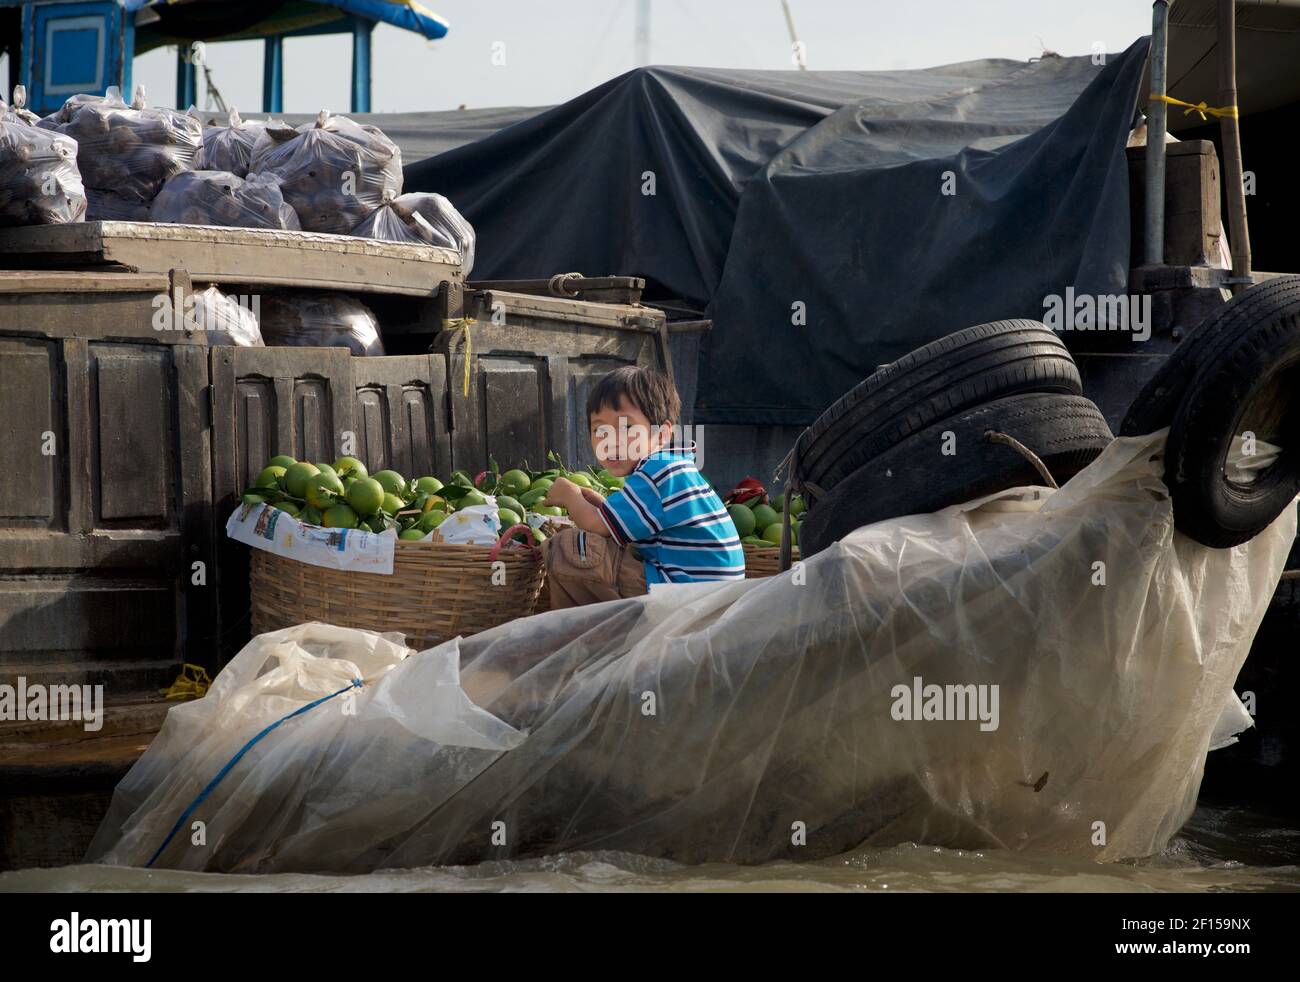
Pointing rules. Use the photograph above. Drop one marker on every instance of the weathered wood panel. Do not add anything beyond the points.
(267, 257)
(30, 406)
(533, 361)
(92, 558)
(1192, 211)
(402, 414)
(135, 452)
(267, 401)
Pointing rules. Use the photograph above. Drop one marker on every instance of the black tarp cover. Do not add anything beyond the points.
(823, 189)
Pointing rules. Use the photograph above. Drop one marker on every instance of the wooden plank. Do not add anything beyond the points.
(264, 257)
(593, 289)
(526, 336)
(29, 403)
(79, 281)
(96, 316)
(1192, 215)
(1147, 279)
(566, 431)
(401, 414)
(200, 624)
(24, 550)
(513, 409)
(79, 460)
(627, 317)
(134, 423)
(268, 401)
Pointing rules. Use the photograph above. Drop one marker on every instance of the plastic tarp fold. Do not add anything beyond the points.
(757, 720)
(747, 193)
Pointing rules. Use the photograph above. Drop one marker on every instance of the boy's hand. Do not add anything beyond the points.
(563, 493)
(579, 503)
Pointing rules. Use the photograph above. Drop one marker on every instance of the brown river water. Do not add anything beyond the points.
(1220, 849)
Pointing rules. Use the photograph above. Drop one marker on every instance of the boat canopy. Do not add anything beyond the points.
(406, 14)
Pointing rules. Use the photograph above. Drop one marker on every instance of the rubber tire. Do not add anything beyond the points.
(1207, 507)
(962, 370)
(1066, 432)
(1157, 403)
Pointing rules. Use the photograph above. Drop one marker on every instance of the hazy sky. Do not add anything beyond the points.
(555, 50)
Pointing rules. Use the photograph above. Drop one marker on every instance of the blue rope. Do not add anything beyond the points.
(354, 684)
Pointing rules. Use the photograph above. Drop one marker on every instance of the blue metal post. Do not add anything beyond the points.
(273, 75)
(187, 80)
(361, 31)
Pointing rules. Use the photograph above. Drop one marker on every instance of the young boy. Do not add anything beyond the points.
(665, 526)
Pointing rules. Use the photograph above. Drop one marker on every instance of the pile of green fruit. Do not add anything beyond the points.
(760, 524)
(344, 495)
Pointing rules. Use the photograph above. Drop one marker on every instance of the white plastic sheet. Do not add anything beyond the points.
(755, 720)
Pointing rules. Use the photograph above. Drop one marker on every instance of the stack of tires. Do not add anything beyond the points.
(928, 430)
(916, 436)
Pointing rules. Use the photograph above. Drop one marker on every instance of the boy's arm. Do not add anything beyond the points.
(585, 515)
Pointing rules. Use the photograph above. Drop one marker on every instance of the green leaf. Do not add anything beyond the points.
(493, 466)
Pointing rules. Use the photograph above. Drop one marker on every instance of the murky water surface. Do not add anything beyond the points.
(1220, 849)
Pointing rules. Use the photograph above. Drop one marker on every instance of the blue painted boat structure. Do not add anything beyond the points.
(84, 47)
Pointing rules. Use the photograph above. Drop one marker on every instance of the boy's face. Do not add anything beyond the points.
(622, 437)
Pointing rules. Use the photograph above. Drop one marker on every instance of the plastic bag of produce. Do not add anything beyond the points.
(424, 218)
(105, 206)
(223, 320)
(129, 151)
(39, 180)
(334, 171)
(230, 147)
(1037, 670)
(213, 197)
(319, 320)
(17, 110)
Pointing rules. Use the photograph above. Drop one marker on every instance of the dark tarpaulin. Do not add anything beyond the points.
(821, 187)
(563, 190)
(850, 220)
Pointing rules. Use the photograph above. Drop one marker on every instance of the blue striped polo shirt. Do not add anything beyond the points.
(678, 523)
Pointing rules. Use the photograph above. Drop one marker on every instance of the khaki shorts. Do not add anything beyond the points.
(585, 568)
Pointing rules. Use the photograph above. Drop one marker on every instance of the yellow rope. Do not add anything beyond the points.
(1200, 107)
(461, 325)
(192, 683)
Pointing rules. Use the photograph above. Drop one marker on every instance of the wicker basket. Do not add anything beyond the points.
(763, 561)
(436, 591)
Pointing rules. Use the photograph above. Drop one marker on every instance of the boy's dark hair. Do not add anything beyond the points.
(650, 391)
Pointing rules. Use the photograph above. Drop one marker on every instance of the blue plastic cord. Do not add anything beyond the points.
(355, 684)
